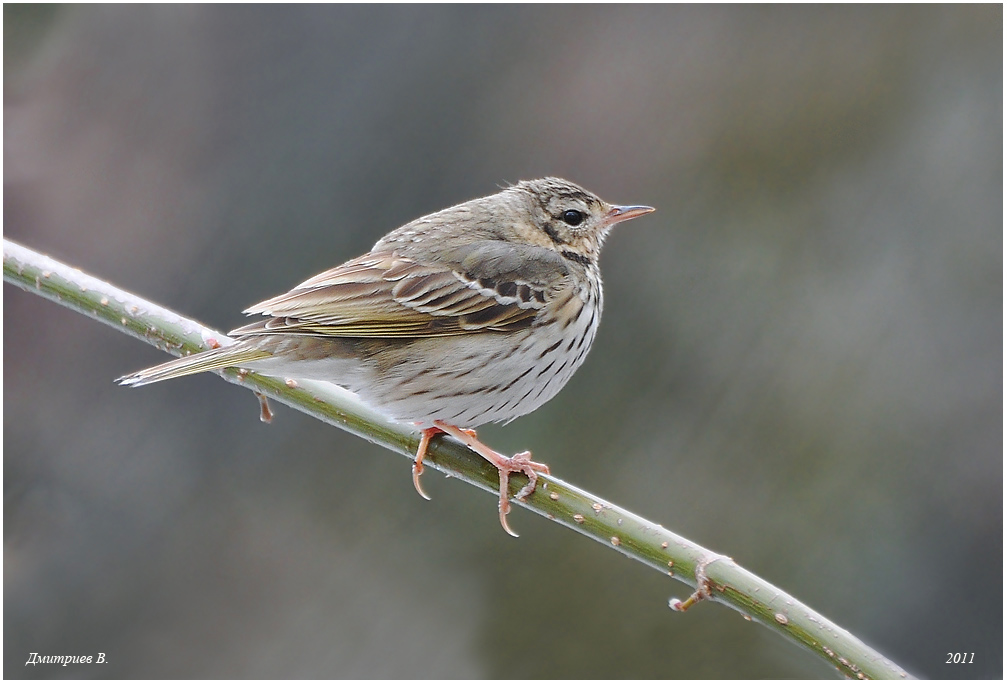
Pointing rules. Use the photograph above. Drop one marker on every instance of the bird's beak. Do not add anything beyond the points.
(619, 214)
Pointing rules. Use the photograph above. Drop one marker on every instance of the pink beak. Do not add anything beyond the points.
(619, 214)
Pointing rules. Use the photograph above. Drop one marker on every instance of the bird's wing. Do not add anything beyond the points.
(476, 288)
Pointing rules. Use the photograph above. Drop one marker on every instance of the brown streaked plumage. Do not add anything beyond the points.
(474, 314)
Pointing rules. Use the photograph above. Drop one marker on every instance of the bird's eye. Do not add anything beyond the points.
(573, 217)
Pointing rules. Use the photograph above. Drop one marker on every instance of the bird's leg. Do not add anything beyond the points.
(518, 463)
(421, 452)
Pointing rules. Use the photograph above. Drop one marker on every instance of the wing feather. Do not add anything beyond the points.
(384, 295)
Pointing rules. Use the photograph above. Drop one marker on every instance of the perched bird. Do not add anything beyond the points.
(475, 314)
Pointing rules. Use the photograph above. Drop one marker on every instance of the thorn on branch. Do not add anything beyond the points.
(704, 587)
(265, 413)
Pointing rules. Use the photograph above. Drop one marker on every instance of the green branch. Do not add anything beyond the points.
(719, 578)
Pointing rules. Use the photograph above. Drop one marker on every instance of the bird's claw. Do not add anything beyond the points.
(421, 452)
(519, 463)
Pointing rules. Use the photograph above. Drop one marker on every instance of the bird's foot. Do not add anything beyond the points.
(519, 463)
(421, 452)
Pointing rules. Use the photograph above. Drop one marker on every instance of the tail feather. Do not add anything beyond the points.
(213, 359)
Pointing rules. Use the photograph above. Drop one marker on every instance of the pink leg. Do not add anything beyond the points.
(421, 452)
(519, 463)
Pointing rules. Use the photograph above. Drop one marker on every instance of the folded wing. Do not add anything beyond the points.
(384, 295)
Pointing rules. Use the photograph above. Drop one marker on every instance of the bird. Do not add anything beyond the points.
(475, 314)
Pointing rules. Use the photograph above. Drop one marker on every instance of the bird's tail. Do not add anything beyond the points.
(213, 359)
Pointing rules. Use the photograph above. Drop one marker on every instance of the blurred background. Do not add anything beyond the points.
(799, 365)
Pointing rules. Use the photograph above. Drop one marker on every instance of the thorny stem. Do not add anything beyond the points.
(721, 579)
